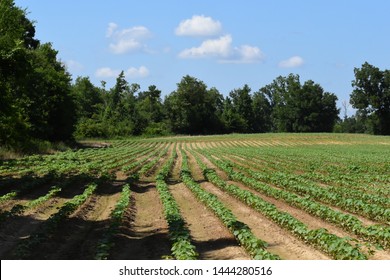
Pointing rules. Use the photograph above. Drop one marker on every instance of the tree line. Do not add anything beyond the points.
(286, 105)
(39, 101)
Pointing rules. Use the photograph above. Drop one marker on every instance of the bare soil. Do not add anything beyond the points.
(280, 241)
(17, 228)
(212, 239)
(144, 232)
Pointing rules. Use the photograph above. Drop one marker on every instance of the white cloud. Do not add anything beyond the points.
(292, 62)
(73, 66)
(245, 54)
(132, 72)
(123, 46)
(127, 40)
(141, 72)
(106, 72)
(212, 47)
(199, 26)
(222, 49)
(111, 29)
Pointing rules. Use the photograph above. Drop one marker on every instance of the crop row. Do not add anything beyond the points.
(378, 234)
(67, 162)
(254, 246)
(338, 248)
(106, 243)
(28, 184)
(182, 248)
(303, 187)
(20, 209)
(318, 167)
(282, 176)
(26, 247)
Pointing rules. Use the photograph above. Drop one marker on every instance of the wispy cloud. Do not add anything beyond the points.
(245, 54)
(106, 72)
(127, 40)
(132, 72)
(73, 66)
(292, 62)
(199, 25)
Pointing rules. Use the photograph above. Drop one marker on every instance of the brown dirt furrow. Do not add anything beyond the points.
(365, 221)
(209, 164)
(310, 221)
(27, 195)
(17, 228)
(149, 176)
(77, 237)
(196, 172)
(280, 241)
(212, 239)
(175, 172)
(144, 233)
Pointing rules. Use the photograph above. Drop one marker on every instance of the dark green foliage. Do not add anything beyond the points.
(242, 105)
(88, 97)
(357, 123)
(371, 97)
(39, 104)
(300, 108)
(191, 109)
(35, 88)
(261, 113)
(52, 109)
(233, 121)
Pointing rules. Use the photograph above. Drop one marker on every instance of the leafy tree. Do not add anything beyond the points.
(280, 95)
(150, 105)
(261, 112)
(87, 96)
(233, 121)
(35, 88)
(371, 96)
(242, 105)
(52, 108)
(353, 124)
(119, 91)
(213, 106)
(16, 38)
(300, 108)
(192, 108)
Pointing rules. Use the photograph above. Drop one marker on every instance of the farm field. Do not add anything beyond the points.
(259, 196)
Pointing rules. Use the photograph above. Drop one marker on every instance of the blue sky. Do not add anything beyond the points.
(226, 44)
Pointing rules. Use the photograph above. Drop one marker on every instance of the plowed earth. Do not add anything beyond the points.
(143, 232)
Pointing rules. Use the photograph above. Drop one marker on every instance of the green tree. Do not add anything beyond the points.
(300, 108)
(192, 108)
(121, 118)
(242, 105)
(51, 109)
(233, 122)
(35, 88)
(280, 94)
(16, 39)
(150, 104)
(119, 91)
(261, 113)
(87, 96)
(371, 97)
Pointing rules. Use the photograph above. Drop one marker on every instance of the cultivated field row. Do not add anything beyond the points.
(249, 197)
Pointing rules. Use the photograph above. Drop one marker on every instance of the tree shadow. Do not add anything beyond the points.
(142, 187)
